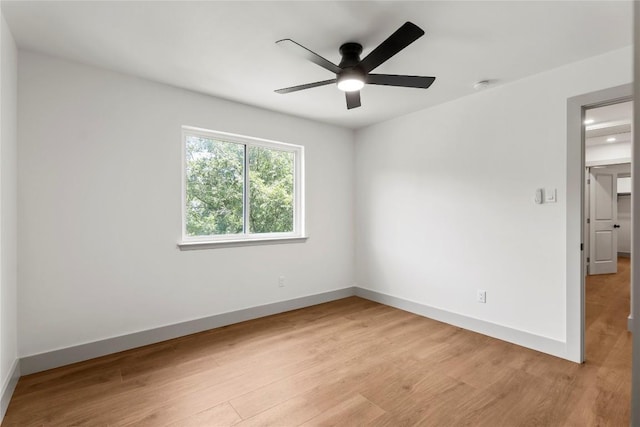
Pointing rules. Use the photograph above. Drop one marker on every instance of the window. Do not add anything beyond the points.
(239, 189)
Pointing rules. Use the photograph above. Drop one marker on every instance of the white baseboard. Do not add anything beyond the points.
(505, 333)
(8, 387)
(79, 353)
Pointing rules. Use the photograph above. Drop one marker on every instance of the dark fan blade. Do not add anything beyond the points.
(397, 41)
(404, 81)
(300, 50)
(353, 99)
(306, 86)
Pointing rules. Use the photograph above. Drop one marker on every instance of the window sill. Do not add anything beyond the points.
(214, 244)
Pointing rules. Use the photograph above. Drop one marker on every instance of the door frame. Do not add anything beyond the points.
(575, 278)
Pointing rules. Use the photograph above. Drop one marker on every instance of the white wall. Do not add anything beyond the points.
(624, 207)
(8, 205)
(624, 183)
(602, 154)
(99, 204)
(445, 200)
(624, 219)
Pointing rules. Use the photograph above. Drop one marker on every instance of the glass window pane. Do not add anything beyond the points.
(214, 187)
(271, 174)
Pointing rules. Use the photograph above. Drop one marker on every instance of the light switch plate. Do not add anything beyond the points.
(550, 195)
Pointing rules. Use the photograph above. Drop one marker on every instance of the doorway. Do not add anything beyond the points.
(607, 226)
(575, 211)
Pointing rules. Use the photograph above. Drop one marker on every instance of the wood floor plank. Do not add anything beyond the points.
(300, 409)
(355, 411)
(220, 416)
(427, 402)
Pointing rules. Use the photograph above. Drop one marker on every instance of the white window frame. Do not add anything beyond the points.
(245, 238)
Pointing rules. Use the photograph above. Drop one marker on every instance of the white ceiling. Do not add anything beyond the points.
(227, 49)
(609, 124)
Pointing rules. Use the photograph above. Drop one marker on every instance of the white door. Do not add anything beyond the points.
(603, 216)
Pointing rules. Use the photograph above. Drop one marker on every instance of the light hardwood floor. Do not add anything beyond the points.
(349, 362)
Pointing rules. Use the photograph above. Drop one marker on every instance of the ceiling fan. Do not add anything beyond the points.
(353, 73)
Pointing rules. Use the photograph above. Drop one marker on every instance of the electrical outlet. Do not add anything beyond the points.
(281, 281)
(482, 296)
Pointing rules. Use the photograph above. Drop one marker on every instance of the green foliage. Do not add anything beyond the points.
(214, 187)
(271, 190)
(215, 184)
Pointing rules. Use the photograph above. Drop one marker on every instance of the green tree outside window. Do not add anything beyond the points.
(215, 186)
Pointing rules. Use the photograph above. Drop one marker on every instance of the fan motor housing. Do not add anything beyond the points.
(350, 55)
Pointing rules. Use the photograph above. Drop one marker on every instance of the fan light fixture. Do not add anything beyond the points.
(350, 80)
(350, 84)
